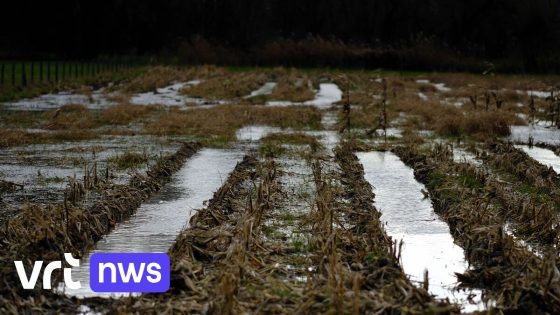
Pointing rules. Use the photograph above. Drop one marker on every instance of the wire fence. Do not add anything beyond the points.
(24, 73)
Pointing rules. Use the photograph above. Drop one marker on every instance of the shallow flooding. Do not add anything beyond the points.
(95, 100)
(538, 132)
(328, 94)
(410, 217)
(154, 227)
(543, 156)
(266, 89)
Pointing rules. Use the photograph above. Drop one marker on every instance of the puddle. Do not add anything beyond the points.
(329, 120)
(508, 229)
(281, 103)
(171, 96)
(266, 89)
(157, 222)
(455, 101)
(328, 94)
(43, 169)
(410, 217)
(255, 133)
(287, 217)
(535, 93)
(463, 156)
(391, 132)
(51, 101)
(328, 138)
(539, 133)
(543, 156)
(441, 87)
(422, 96)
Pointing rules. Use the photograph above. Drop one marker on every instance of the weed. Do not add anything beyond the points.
(129, 160)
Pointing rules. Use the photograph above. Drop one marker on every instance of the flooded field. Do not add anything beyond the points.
(154, 227)
(410, 218)
(287, 191)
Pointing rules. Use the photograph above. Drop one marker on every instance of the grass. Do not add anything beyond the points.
(293, 86)
(274, 144)
(297, 138)
(129, 160)
(124, 113)
(228, 86)
(479, 125)
(222, 122)
(152, 78)
(15, 137)
(72, 116)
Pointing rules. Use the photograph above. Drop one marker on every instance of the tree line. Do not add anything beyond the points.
(525, 34)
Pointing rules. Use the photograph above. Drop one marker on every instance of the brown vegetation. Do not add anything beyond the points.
(228, 86)
(124, 113)
(511, 275)
(293, 87)
(220, 123)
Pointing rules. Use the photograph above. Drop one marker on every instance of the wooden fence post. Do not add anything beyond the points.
(13, 73)
(32, 72)
(48, 71)
(41, 71)
(23, 75)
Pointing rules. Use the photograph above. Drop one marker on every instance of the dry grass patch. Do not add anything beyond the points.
(129, 160)
(124, 113)
(274, 144)
(14, 137)
(71, 116)
(294, 87)
(221, 122)
(157, 77)
(297, 138)
(228, 86)
(21, 118)
(479, 125)
(68, 135)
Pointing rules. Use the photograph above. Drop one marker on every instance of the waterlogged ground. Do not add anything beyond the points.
(233, 113)
(328, 94)
(156, 223)
(95, 100)
(44, 171)
(538, 132)
(543, 156)
(409, 216)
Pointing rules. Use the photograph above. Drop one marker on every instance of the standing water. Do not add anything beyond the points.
(543, 156)
(157, 222)
(328, 94)
(410, 217)
(266, 89)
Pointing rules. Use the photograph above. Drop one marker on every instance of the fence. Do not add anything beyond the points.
(23, 74)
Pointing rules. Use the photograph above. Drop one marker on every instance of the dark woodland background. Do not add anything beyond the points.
(515, 35)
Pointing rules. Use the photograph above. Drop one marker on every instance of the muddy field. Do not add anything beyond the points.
(290, 192)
